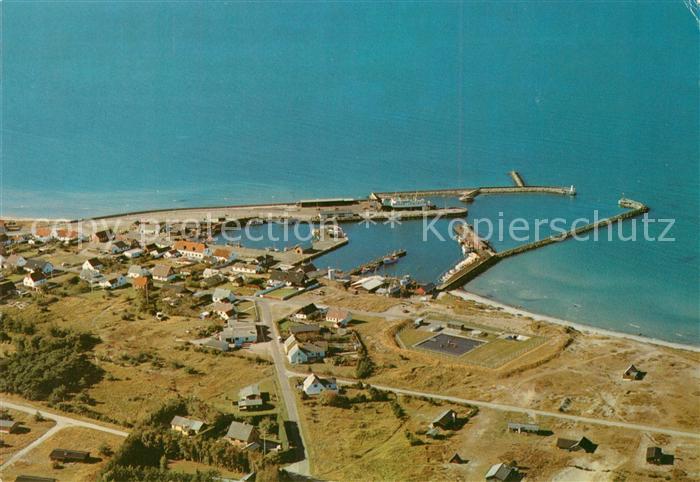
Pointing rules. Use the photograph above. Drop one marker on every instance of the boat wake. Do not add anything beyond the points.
(694, 7)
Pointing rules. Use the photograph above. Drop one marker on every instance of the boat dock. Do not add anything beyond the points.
(377, 263)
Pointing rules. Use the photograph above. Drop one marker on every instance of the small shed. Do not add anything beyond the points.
(575, 445)
(456, 459)
(654, 455)
(632, 373)
(65, 455)
(445, 420)
(523, 427)
(501, 473)
(8, 426)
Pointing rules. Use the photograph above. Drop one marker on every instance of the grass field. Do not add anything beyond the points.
(37, 461)
(282, 293)
(29, 431)
(369, 442)
(169, 365)
(189, 467)
(494, 353)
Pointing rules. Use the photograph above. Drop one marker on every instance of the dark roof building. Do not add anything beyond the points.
(292, 277)
(654, 455)
(446, 419)
(576, 445)
(65, 455)
(34, 478)
(632, 373)
(501, 473)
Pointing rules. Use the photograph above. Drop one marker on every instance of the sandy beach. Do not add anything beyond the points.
(466, 295)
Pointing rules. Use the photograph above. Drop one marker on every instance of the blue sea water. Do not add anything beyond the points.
(115, 106)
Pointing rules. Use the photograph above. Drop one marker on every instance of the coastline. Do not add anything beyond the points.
(281, 207)
(469, 296)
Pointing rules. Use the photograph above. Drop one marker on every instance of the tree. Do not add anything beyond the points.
(105, 449)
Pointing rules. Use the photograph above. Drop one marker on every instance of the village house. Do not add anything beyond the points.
(223, 295)
(192, 250)
(298, 352)
(93, 264)
(224, 255)
(446, 420)
(155, 251)
(8, 426)
(576, 445)
(136, 271)
(425, 289)
(239, 334)
(67, 235)
(290, 278)
(171, 253)
(14, 261)
(92, 277)
(210, 273)
(243, 435)
(186, 426)
(64, 455)
(311, 329)
(314, 385)
(133, 253)
(113, 282)
(37, 264)
(43, 234)
(35, 280)
(163, 272)
(7, 288)
(141, 283)
(246, 268)
(250, 398)
(308, 312)
(118, 247)
(632, 373)
(224, 310)
(104, 236)
(339, 317)
(501, 473)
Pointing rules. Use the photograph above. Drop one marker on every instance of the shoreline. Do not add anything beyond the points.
(469, 296)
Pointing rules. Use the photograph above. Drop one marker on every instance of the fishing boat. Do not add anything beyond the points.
(406, 204)
(390, 260)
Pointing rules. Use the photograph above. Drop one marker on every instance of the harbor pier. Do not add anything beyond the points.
(469, 272)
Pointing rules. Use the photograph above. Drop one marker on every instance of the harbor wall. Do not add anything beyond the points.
(576, 232)
(517, 178)
(468, 273)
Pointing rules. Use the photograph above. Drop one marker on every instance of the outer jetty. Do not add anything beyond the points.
(489, 259)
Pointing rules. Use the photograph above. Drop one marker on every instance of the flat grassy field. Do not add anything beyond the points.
(282, 293)
(37, 461)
